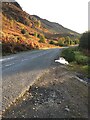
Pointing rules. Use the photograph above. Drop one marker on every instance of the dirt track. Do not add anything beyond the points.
(57, 94)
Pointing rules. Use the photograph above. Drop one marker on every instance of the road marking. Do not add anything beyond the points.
(5, 59)
(24, 60)
(9, 65)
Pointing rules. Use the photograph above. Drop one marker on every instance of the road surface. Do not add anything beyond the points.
(19, 72)
(56, 94)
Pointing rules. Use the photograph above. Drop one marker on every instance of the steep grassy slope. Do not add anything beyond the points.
(14, 21)
(21, 31)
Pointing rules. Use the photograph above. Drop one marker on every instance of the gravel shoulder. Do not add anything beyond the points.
(57, 94)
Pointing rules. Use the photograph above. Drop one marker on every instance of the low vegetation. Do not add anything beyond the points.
(42, 39)
(69, 54)
(78, 60)
(23, 31)
(74, 55)
(78, 56)
(52, 42)
(67, 41)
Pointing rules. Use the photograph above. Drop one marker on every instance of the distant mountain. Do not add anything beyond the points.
(55, 27)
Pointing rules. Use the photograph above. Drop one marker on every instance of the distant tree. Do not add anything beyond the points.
(67, 41)
(60, 43)
(26, 22)
(12, 23)
(33, 18)
(27, 35)
(42, 39)
(52, 42)
(35, 34)
(71, 42)
(62, 38)
(23, 31)
(76, 41)
(38, 35)
(38, 23)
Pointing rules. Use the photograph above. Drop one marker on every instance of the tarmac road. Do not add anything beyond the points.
(20, 71)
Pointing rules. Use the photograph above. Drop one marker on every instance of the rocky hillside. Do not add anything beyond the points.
(21, 31)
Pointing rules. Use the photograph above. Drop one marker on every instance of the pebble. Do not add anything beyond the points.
(15, 117)
(23, 116)
(79, 113)
(24, 99)
(9, 105)
(13, 113)
(35, 104)
(67, 109)
(41, 94)
(5, 98)
(59, 102)
(53, 68)
(62, 97)
(56, 79)
(34, 116)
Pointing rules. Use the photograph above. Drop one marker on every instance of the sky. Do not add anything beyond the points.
(72, 14)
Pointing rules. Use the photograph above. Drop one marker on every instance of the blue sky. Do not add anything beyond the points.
(72, 14)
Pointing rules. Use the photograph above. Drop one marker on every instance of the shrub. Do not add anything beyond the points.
(38, 23)
(35, 34)
(67, 41)
(52, 42)
(80, 58)
(19, 38)
(73, 54)
(68, 54)
(38, 35)
(27, 35)
(60, 43)
(7, 48)
(42, 39)
(23, 31)
(76, 41)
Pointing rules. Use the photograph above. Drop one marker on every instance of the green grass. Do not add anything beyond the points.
(68, 54)
(81, 58)
(78, 60)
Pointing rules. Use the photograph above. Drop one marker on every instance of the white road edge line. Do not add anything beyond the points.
(4, 59)
(9, 64)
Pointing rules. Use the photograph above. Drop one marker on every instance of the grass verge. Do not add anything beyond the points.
(79, 60)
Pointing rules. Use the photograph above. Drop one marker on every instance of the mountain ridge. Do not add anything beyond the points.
(66, 30)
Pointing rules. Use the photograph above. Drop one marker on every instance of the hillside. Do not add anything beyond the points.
(21, 31)
(55, 27)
